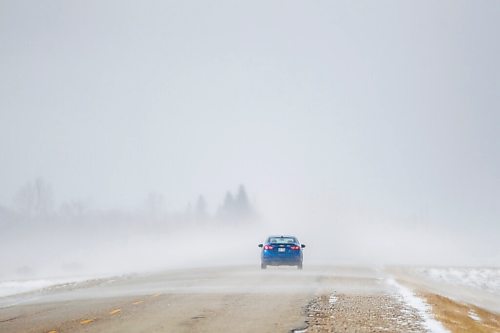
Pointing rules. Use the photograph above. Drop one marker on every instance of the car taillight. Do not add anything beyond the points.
(295, 247)
(268, 247)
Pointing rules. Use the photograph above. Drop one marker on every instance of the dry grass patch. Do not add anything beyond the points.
(459, 317)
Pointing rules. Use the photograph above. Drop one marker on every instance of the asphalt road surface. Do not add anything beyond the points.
(227, 299)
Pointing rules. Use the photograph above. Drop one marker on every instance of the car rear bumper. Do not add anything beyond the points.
(278, 261)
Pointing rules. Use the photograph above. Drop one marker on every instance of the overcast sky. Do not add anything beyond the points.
(387, 109)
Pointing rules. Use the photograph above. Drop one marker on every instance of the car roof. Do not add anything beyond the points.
(281, 236)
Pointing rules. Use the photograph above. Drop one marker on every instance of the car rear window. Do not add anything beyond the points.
(282, 240)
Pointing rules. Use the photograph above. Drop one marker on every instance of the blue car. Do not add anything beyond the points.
(281, 250)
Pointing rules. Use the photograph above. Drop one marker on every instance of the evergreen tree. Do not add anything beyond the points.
(201, 208)
(236, 208)
(242, 205)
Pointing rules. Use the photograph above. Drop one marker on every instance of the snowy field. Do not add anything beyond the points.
(487, 279)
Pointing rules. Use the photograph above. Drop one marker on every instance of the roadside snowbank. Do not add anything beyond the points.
(418, 304)
(8, 288)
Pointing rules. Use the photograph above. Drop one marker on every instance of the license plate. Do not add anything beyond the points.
(281, 249)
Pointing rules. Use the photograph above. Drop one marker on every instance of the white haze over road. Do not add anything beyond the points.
(240, 298)
(367, 129)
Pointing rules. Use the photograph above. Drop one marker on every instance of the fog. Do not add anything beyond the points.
(128, 131)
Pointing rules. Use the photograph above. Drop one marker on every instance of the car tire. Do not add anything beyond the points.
(263, 266)
(299, 266)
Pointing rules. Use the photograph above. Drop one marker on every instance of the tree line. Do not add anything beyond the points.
(35, 202)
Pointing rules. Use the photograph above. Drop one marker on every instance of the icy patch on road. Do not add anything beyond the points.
(480, 278)
(332, 299)
(421, 306)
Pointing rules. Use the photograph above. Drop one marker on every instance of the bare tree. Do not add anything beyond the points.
(74, 209)
(35, 199)
(155, 205)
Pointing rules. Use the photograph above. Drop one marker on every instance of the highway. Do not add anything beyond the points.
(223, 299)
